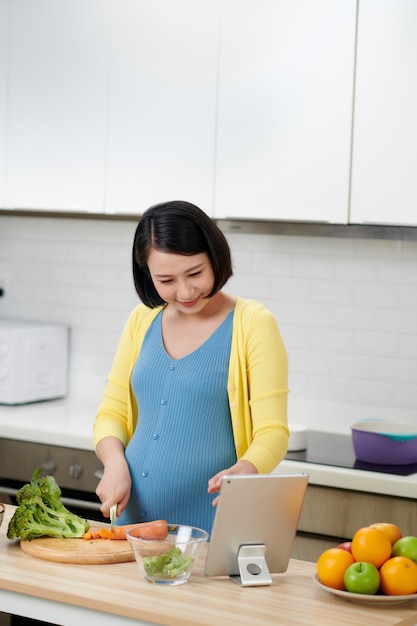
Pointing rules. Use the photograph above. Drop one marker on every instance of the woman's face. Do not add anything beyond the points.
(182, 281)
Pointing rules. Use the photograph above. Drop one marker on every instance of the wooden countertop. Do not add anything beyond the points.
(67, 594)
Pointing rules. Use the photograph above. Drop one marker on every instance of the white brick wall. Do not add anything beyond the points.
(347, 308)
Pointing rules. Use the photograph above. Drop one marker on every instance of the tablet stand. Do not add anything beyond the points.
(252, 566)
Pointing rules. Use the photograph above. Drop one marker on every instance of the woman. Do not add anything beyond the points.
(198, 386)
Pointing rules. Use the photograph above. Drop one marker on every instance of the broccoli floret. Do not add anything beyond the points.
(41, 513)
(27, 492)
(50, 490)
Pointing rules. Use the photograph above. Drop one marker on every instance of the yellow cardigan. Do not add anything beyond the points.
(257, 384)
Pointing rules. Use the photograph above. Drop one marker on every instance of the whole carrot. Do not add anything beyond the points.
(156, 529)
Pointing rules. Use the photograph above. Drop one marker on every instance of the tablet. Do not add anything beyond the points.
(255, 525)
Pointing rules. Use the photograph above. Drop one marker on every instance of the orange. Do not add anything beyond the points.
(398, 576)
(371, 545)
(391, 530)
(331, 567)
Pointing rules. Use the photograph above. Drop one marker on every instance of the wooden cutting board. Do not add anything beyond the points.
(81, 551)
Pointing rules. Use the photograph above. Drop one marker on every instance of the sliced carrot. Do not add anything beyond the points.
(106, 533)
(157, 529)
(93, 533)
(117, 532)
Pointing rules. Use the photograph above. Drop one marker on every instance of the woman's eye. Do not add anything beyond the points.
(195, 273)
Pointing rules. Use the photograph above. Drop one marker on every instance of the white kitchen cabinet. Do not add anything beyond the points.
(57, 104)
(4, 47)
(285, 109)
(162, 103)
(384, 180)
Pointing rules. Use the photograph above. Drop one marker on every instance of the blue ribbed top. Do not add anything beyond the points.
(184, 433)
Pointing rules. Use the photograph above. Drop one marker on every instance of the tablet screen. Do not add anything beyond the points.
(255, 510)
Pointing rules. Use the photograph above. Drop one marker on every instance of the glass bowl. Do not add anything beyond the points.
(168, 561)
(2, 509)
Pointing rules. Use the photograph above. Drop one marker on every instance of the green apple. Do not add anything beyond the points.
(406, 546)
(362, 577)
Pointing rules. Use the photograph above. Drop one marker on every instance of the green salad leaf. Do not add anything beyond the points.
(170, 565)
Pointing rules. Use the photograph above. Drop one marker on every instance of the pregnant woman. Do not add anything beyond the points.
(198, 385)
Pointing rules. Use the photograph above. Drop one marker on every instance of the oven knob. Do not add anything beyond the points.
(48, 466)
(75, 471)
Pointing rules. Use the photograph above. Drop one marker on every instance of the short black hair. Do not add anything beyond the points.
(181, 228)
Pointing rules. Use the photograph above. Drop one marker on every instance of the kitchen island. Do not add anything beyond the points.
(116, 594)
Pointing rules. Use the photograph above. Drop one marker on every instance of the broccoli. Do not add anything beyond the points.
(41, 513)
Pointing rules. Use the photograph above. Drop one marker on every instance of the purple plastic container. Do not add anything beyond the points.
(385, 443)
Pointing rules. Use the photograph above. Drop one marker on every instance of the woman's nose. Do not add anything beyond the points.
(184, 290)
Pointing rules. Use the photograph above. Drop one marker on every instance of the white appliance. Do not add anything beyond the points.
(33, 361)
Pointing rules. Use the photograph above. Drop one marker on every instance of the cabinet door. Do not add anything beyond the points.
(4, 48)
(285, 109)
(58, 66)
(162, 103)
(384, 180)
(330, 516)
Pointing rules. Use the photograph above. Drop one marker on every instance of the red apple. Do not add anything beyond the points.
(346, 545)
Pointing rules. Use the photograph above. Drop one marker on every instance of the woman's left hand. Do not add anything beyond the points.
(241, 467)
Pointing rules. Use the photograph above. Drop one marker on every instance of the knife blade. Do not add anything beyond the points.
(113, 511)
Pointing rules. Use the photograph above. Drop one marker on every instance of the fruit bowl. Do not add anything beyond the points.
(168, 561)
(363, 598)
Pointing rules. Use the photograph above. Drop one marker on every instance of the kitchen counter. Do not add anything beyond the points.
(69, 422)
(96, 594)
(63, 422)
(355, 480)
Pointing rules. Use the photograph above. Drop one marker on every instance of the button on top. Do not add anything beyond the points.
(171, 368)
(155, 436)
(163, 401)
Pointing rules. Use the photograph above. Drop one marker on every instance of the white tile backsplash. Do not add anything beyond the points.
(376, 344)
(347, 308)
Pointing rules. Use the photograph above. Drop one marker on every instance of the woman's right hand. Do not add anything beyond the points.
(115, 484)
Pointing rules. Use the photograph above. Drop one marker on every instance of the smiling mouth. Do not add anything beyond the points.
(189, 303)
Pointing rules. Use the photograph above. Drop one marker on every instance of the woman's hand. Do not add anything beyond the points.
(115, 484)
(241, 467)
